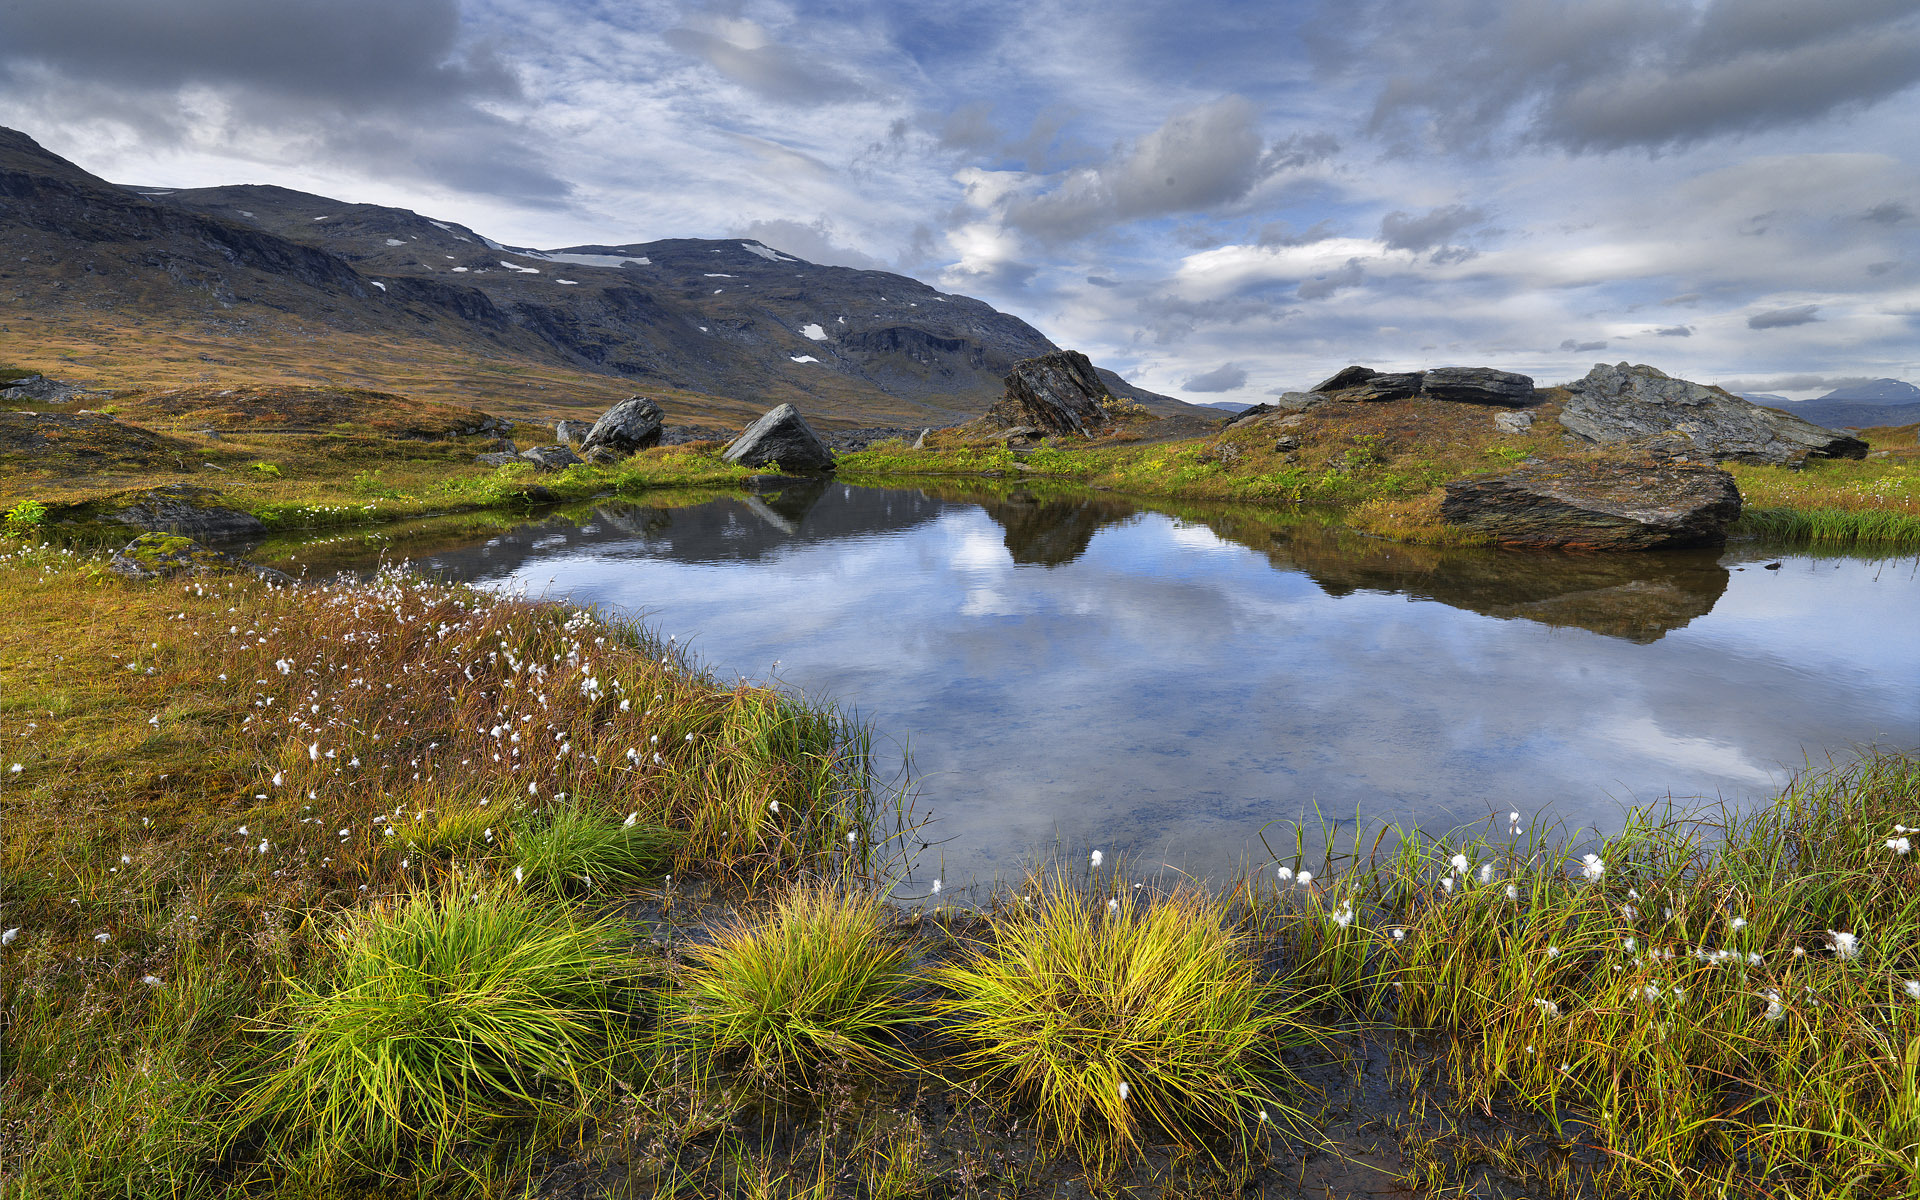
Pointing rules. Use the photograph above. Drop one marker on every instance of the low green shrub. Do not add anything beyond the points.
(818, 980)
(437, 1012)
(1110, 1017)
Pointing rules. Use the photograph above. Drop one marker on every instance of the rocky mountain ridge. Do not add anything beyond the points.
(732, 318)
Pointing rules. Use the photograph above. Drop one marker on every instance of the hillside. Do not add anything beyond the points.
(269, 285)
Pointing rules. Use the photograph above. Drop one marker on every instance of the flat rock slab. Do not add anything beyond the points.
(1364, 385)
(1604, 505)
(1478, 385)
(1058, 393)
(781, 436)
(1630, 403)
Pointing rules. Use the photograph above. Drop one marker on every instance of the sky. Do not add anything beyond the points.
(1221, 200)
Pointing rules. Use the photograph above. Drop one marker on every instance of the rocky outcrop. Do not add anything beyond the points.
(781, 436)
(38, 388)
(1478, 385)
(1365, 385)
(1596, 505)
(1628, 404)
(550, 458)
(185, 511)
(1058, 393)
(630, 426)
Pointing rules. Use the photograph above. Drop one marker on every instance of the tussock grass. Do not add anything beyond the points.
(571, 848)
(820, 980)
(437, 1013)
(1108, 1019)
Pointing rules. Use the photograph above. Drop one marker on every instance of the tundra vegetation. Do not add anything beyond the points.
(396, 888)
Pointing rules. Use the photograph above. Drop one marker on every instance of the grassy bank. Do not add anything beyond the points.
(399, 889)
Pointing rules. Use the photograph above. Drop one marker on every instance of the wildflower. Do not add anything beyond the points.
(1629, 911)
(6, 939)
(1123, 1089)
(773, 806)
(1343, 916)
(313, 752)
(1399, 934)
(1446, 885)
(1513, 824)
(1305, 877)
(1738, 923)
(1113, 905)
(1513, 891)
(1913, 985)
(264, 847)
(488, 835)
(1486, 873)
(1593, 866)
(243, 831)
(1548, 1007)
(631, 818)
(1775, 1010)
(1284, 875)
(1899, 845)
(853, 837)
(1845, 945)
(533, 789)
(1263, 1116)
(936, 888)
(405, 863)
(126, 860)
(1628, 943)
(98, 937)
(150, 980)
(1095, 859)
(279, 777)
(1553, 952)
(14, 770)
(1799, 951)
(1460, 863)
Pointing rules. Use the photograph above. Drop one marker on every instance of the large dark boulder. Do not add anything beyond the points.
(1623, 403)
(1478, 385)
(629, 426)
(1365, 385)
(1057, 393)
(1597, 505)
(781, 436)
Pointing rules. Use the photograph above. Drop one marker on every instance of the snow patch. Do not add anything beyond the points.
(245, 213)
(763, 252)
(491, 244)
(569, 282)
(438, 225)
(588, 260)
(460, 270)
(319, 218)
(378, 284)
(717, 291)
(518, 268)
(718, 275)
(395, 242)
(458, 238)
(703, 329)
(843, 320)
(803, 358)
(814, 332)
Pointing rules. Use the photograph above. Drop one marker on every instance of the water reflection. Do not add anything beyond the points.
(1073, 666)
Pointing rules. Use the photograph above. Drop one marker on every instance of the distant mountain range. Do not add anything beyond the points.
(725, 318)
(1858, 406)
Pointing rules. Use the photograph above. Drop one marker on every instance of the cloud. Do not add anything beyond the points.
(1199, 158)
(746, 53)
(1102, 281)
(1892, 212)
(1279, 233)
(1611, 74)
(1795, 383)
(1403, 231)
(1224, 378)
(1321, 286)
(813, 242)
(1572, 347)
(1674, 331)
(1782, 318)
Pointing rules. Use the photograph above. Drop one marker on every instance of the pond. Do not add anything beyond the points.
(1072, 670)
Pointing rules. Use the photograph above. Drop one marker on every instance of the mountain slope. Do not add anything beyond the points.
(733, 319)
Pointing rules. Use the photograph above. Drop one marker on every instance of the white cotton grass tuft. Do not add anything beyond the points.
(1547, 1006)
(1460, 863)
(1845, 945)
(936, 888)
(1592, 866)
(1514, 828)
(6, 939)
(1123, 1089)
(1775, 1010)
(1901, 846)
(1284, 875)
(1912, 987)
(1095, 859)
(1486, 873)
(1343, 915)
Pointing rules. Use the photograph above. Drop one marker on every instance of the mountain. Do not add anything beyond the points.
(1232, 406)
(1874, 391)
(1765, 399)
(259, 274)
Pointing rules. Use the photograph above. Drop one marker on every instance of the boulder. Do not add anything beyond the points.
(550, 458)
(497, 458)
(39, 388)
(1597, 505)
(1365, 385)
(1513, 422)
(629, 426)
(1623, 403)
(1058, 393)
(781, 436)
(571, 433)
(1478, 385)
(185, 511)
(1343, 379)
(156, 555)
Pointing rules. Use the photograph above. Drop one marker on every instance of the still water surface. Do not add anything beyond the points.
(1081, 673)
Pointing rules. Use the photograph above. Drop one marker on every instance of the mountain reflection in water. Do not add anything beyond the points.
(1072, 665)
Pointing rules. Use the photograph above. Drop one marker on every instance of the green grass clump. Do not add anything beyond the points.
(818, 980)
(1109, 1018)
(574, 849)
(441, 1012)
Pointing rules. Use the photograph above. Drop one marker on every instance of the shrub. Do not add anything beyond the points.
(439, 1011)
(817, 980)
(1107, 1016)
(24, 518)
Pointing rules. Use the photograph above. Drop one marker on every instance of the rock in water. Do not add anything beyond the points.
(1625, 403)
(631, 425)
(1604, 505)
(550, 458)
(1478, 385)
(1058, 393)
(781, 436)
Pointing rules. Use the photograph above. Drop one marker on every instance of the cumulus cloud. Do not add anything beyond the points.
(1782, 318)
(1224, 378)
(1608, 74)
(1198, 158)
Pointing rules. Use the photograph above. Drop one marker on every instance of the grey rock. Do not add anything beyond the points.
(920, 443)
(629, 426)
(41, 389)
(1286, 441)
(187, 512)
(571, 433)
(1478, 385)
(157, 555)
(603, 456)
(1513, 422)
(1343, 379)
(1596, 505)
(1623, 403)
(780, 436)
(498, 458)
(1365, 385)
(550, 458)
(1058, 393)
